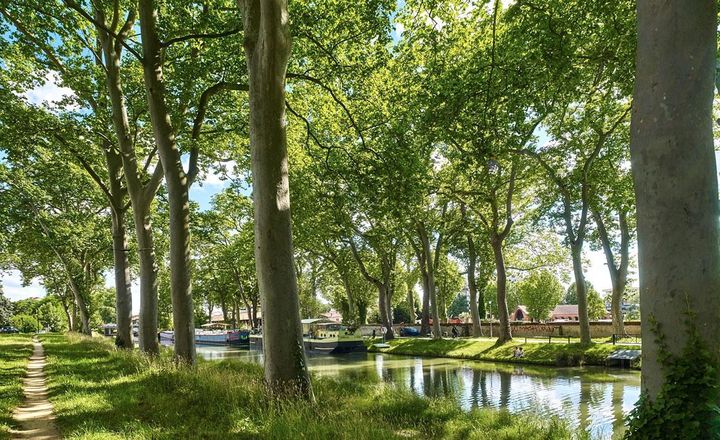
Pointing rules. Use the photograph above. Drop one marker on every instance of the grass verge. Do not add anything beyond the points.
(484, 349)
(14, 353)
(101, 393)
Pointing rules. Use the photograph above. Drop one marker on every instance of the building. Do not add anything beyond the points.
(565, 312)
(561, 312)
(332, 315)
(520, 314)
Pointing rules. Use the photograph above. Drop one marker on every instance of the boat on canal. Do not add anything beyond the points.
(323, 336)
(213, 334)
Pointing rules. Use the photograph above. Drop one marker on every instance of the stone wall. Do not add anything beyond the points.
(598, 329)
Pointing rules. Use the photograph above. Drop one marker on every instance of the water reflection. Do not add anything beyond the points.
(593, 399)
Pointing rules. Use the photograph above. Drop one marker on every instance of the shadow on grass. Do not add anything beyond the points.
(14, 353)
(102, 393)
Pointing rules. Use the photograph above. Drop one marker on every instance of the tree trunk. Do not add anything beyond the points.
(425, 258)
(581, 289)
(223, 308)
(75, 325)
(505, 333)
(81, 308)
(352, 310)
(254, 320)
(472, 288)
(618, 275)
(177, 185)
(123, 295)
(148, 325)
(267, 49)
(68, 313)
(425, 318)
(388, 304)
(673, 165)
(140, 195)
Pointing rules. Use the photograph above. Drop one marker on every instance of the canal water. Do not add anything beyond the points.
(592, 399)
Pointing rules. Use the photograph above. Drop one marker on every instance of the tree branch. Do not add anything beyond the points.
(75, 6)
(200, 36)
(199, 120)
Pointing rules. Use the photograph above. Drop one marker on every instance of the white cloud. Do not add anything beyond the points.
(50, 93)
(13, 288)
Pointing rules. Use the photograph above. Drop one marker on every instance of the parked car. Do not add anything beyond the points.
(409, 331)
(9, 329)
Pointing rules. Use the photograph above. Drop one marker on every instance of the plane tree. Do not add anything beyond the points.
(84, 62)
(675, 179)
(55, 220)
(613, 213)
(585, 78)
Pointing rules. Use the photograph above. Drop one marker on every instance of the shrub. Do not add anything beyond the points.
(25, 323)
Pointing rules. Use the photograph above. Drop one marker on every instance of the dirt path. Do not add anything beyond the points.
(35, 415)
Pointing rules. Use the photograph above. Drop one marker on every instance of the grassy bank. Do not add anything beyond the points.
(14, 353)
(102, 393)
(536, 352)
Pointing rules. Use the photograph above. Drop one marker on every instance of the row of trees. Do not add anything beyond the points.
(471, 136)
(496, 134)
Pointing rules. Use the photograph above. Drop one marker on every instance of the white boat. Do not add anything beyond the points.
(212, 335)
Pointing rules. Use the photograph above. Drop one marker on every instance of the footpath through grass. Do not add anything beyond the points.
(101, 393)
(537, 351)
(14, 353)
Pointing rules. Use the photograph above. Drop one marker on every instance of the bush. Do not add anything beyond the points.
(25, 323)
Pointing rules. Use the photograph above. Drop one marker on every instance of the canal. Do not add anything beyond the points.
(592, 399)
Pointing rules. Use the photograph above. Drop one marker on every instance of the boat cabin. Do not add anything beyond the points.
(109, 329)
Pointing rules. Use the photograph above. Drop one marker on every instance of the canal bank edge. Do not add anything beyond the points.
(141, 397)
(484, 349)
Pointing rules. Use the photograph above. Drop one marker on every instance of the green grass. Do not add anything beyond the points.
(101, 393)
(536, 351)
(14, 353)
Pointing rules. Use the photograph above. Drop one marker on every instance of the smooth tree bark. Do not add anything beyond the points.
(267, 50)
(141, 194)
(428, 261)
(499, 226)
(475, 299)
(675, 176)
(176, 182)
(618, 268)
(123, 294)
(472, 288)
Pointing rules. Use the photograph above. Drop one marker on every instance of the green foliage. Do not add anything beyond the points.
(103, 306)
(25, 323)
(687, 405)
(540, 293)
(513, 297)
(6, 308)
(596, 306)
(403, 314)
(47, 310)
(459, 305)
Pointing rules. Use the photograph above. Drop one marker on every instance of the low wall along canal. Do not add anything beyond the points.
(598, 329)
